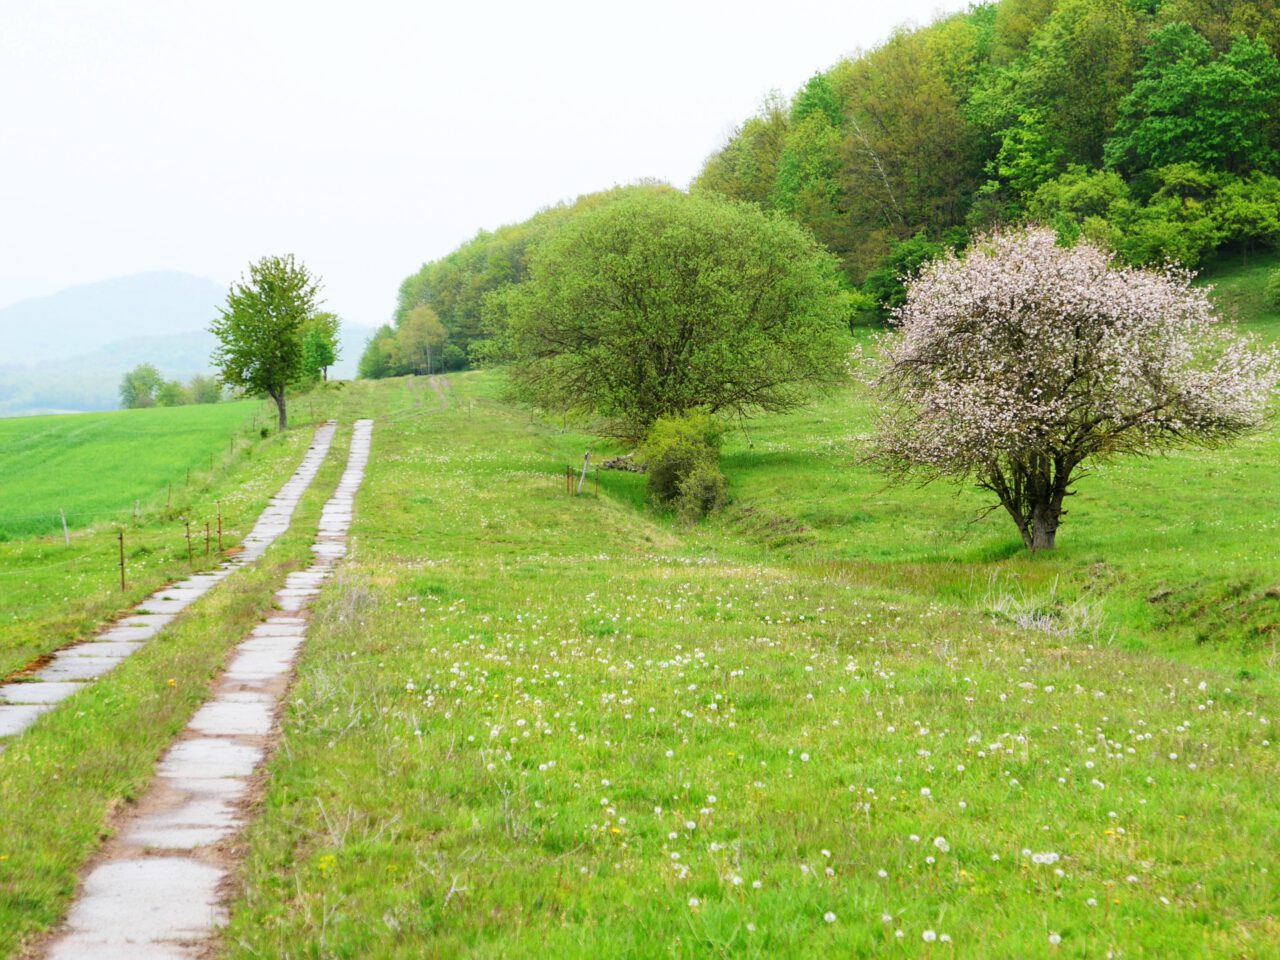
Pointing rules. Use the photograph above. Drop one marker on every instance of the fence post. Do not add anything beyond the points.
(121, 534)
(190, 560)
(65, 536)
(219, 527)
(206, 538)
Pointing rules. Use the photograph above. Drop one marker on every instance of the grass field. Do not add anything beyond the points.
(53, 593)
(840, 719)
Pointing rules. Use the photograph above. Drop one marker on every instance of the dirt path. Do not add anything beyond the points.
(71, 667)
(159, 888)
(438, 384)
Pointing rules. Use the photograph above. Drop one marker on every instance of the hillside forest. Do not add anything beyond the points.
(1149, 126)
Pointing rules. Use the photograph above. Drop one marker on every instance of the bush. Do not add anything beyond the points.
(1272, 292)
(675, 447)
(703, 490)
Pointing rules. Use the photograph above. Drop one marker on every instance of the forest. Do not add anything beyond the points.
(1149, 126)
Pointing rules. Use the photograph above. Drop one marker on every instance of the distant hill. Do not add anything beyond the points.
(67, 352)
(92, 315)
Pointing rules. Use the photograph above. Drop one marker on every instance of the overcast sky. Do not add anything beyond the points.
(365, 137)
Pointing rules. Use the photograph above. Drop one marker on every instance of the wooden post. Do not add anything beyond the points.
(586, 462)
(65, 536)
(121, 559)
(190, 559)
(219, 527)
(206, 538)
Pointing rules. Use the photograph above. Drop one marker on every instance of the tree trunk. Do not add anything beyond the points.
(279, 399)
(1044, 525)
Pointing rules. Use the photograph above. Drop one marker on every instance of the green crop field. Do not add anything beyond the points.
(94, 466)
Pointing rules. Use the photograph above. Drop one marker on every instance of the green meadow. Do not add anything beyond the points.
(839, 718)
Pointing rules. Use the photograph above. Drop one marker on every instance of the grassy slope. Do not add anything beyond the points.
(61, 780)
(532, 725)
(1178, 551)
(52, 594)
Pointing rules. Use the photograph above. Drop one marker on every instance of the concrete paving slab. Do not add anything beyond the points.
(197, 823)
(38, 692)
(148, 900)
(231, 718)
(258, 666)
(210, 758)
(114, 649)
(273, 628)
(137, 632)
(85, 947)
(156, 620)
(76, 667)
(163, 606)
(14, 718)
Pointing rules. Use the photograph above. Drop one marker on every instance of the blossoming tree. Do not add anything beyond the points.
(1020, 362)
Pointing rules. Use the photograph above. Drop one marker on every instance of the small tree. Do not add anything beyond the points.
(260, 330)
(171, 394)
(1021, 363)
(139, 386)
(320, 347)
(204, 389)
(420, 340)
(660, 303)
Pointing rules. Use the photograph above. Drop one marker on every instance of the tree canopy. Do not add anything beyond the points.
(961, 124)
(658, 303)
(261, 328)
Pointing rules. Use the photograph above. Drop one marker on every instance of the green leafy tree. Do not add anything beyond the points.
(261, 328)
(204, 389)
(420, 339)
(1271, 293)
(320, 346)
(664, 303)
(171, 394)
(1029, 156)
(1247, 213)
(378, 358)
(746, 168)
(139, 386)
(887, 284)
(1189, 105)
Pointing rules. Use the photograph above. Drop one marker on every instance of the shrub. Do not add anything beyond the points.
(674, 448)
(703, 490)
(1272, 292)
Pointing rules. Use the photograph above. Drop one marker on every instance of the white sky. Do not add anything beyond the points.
(365, 137)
